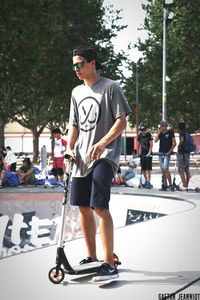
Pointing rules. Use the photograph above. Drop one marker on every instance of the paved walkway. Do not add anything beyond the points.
(159, 257)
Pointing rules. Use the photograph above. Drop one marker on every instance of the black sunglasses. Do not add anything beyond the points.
(79, 65)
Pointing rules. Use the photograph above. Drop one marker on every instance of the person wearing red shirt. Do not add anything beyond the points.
(58, 156)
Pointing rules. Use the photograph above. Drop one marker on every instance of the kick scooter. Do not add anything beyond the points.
(174, 185)
(57, 273)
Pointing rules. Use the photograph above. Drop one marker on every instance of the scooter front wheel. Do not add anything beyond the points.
(197, 190)
(56, 275)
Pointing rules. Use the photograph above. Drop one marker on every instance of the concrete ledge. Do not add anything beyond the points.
(30, 196)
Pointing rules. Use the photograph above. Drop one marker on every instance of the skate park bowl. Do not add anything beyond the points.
(156, 239)
(30, 218)
(128, 209)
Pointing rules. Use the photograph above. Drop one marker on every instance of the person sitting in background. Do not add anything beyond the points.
(10, 159)
(3, 151)
(118, 179)
(26, 172)
(2, 171)
(132, 167)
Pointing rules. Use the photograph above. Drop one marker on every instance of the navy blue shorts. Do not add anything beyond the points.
(94, 189)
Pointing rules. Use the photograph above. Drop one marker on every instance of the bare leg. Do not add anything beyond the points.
(187, 177)
(164, 178)
(167, 176)
(183, 178)
(145, 175)
(61, 178)
(149, 175)
(88, 226)
(106, 230)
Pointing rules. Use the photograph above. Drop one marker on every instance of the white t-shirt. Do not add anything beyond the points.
(10, 157)
(59, 147)
(134, 163)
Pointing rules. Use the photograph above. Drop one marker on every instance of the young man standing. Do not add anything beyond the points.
(183, 157)
(166, 147)
(145, 145)
(97, 118)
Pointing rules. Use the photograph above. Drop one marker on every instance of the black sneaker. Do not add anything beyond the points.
(86, 261)
(163, 188)
(106, 272)
(171, 188)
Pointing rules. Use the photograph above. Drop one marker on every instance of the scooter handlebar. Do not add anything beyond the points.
(162, 153)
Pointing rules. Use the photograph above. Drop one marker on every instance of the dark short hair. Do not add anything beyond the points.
(88, 53)
(27, 160)
(143, 127)
(56, 130)
(181, 125)
(164, 122)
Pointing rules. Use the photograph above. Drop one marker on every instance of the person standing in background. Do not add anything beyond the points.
(3, 151)
(145, 145)
(166, 147)
(58, 156)
(183, 157)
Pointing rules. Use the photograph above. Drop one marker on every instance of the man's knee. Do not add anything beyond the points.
(85, 210)
(101, 212)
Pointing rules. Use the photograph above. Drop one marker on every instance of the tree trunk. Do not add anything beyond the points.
(35, 144)
(36, 134)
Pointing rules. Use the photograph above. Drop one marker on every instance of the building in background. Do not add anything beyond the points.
(20, 139)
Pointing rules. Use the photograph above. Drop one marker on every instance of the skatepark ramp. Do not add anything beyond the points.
(30, 217)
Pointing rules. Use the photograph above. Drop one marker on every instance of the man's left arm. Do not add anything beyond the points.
(150, 147)
(117, 128)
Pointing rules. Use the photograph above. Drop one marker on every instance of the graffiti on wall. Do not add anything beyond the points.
(30, 230)
(135, 216)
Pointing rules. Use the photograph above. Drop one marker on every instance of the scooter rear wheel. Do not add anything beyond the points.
(116, 260)
(56, 275)
(197, 190)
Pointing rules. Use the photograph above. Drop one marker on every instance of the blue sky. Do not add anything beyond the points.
(133, 16)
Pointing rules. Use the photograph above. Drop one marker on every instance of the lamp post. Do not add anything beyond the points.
(167, 15)
(136, 97)
(137, 109)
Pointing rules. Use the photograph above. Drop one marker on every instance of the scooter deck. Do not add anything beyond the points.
(88, 268)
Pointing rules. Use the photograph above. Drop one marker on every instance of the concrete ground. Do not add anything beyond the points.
(160, 257)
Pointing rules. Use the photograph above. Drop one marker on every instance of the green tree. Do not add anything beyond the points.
(37, 38)
(182, 65)
(184, 48)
